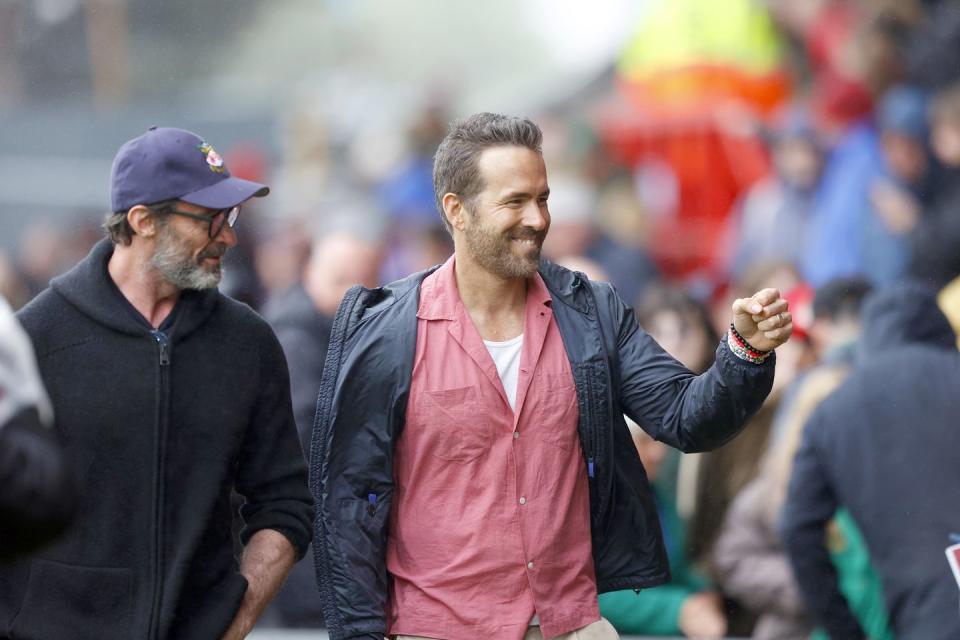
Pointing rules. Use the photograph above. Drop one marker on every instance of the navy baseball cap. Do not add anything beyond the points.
(167, 164)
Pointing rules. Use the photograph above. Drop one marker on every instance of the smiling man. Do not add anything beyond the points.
(169, 396)
(473, 473)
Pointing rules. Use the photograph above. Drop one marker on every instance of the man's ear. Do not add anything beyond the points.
(453, 209)
(142, 221)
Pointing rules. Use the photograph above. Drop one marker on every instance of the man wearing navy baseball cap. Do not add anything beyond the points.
(169, 396)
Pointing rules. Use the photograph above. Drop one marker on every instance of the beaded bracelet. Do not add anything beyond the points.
(742, 349)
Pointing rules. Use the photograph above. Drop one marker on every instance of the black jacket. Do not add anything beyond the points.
(37, 500)
(36, 492)
(884, 445)
(159, 428)
(617, 369)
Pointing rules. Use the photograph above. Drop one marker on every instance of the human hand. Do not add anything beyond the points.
(763, 319)
(702, 616)
(897, 208)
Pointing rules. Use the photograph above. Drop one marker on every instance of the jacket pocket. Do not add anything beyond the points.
(71, 601)
(456, 428)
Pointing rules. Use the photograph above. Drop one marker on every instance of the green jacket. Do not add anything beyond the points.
(859, 582)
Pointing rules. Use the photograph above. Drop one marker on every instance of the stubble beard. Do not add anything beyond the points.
(494, 251)
(175, 263)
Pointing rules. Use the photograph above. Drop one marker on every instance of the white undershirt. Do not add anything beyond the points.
(506, 355)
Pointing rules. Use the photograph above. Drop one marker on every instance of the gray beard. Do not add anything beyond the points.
(178, 267)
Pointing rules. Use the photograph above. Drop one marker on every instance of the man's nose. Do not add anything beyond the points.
(536, 216)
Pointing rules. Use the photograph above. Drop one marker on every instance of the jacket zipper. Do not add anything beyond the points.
(163, 346)
(596, 447)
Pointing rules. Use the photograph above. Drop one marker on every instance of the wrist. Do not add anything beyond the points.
(743, 349)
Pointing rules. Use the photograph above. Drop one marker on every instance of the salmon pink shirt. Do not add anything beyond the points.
(490, 522)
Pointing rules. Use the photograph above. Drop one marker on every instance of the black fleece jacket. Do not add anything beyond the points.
(884, 445)
(160, 428)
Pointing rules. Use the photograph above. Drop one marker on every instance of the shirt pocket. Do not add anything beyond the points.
(557, 411)
(454, 424)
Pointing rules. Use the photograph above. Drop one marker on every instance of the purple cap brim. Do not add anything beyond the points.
(226, 194)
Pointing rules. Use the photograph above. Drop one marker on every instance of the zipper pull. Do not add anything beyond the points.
(590, 467)
(372, 507)
(164, 343)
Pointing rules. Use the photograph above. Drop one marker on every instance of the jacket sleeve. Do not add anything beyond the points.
(809, 507)
(271, 473)
(38, 500)
(751, 564)
(689, 412)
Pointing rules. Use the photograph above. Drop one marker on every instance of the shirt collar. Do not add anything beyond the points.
(440, 297)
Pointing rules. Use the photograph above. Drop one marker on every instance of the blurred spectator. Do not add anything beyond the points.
(751, 563)
(42, 255)
(242, 269)
(836, 319)
(12, 286)
(280, 255)
(683, 606)
(935, 258)
(933, 43)
(775, 214)
(37, 501)
(680, 325)
(884, 447)
(302, 319)
(574, 231)
(875, 184)
(709, 482)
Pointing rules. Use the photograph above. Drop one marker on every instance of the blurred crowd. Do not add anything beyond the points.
(847, 185)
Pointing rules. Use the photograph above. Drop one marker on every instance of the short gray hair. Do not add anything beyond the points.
(455, 165)
(117, 226)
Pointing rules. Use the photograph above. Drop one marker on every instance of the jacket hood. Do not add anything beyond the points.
(88, 287)
(902, 314)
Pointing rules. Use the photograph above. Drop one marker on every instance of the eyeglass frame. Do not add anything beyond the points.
(229, 217)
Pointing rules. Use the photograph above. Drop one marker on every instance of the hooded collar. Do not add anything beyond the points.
(902, 314)
(87, 286)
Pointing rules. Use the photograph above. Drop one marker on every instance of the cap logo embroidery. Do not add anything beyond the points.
(214, 161)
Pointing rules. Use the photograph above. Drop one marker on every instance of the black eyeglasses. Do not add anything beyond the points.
(216, 221)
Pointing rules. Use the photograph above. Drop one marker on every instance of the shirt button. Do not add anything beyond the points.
(523, 500)
(529, 565)
(516, 434)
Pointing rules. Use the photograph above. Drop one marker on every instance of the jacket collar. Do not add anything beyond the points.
(87, 286)
(565, 285)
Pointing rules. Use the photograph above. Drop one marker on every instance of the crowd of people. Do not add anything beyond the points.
(826, 516)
